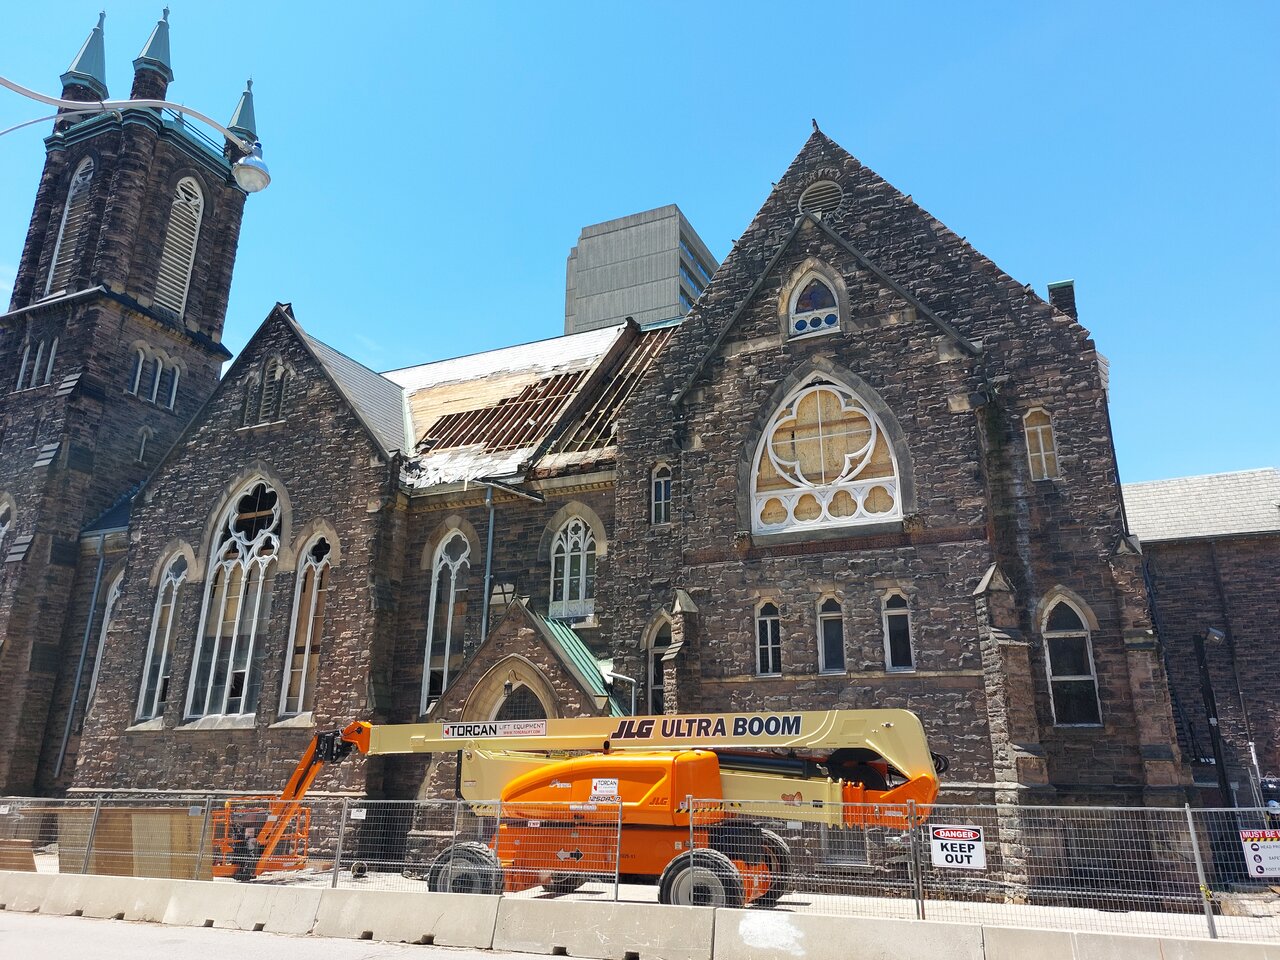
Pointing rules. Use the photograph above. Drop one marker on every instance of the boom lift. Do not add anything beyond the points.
(842, 768)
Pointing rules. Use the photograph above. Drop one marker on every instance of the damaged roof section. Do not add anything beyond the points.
(494, 414)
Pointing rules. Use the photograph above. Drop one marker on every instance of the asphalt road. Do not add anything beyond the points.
(24, 935)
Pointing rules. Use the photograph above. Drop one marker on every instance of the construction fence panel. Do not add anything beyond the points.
(39, 835)
(1240, 849)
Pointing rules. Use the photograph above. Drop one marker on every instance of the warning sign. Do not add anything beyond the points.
(1261, 852)
(957, 847)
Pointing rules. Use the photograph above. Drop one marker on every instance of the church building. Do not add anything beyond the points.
(867, 469)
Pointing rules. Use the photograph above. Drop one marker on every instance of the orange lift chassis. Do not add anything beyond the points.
(844, 768)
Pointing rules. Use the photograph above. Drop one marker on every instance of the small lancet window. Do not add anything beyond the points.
(1042, 446)
(897, 634)
(831, 636)
(1073, 679)
(48, 366)
(74, 215)
(139, 365)
(768, 640)
(814, 309)
(660, 512)
(22, 370)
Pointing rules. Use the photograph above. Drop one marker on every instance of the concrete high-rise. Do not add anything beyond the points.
(650, 266)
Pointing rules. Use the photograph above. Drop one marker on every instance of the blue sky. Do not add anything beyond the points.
(433, 163)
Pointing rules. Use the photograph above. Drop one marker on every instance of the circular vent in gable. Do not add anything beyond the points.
(821, 197)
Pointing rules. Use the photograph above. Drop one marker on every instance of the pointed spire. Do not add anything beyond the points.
(89, 68)
(155, 52)
(243, 123)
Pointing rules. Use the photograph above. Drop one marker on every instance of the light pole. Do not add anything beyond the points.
(250, 170)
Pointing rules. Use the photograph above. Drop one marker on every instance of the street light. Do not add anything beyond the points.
(250, 170)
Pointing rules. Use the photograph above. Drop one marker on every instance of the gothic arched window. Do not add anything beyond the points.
(108, 611)
(813, 308)
(62, 264)
(1042, 446)
(229, 654)
(139, 365)
(660, 501)
(446, 616)
(179, 253)
(6, 520)
(521, 704)
(824, 461)
(307, 632)
(1073, 680)
(159, 660)
(573, 572)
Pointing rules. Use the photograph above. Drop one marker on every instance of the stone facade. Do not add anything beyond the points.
(946, 354)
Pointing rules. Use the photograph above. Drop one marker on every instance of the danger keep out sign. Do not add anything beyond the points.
(1261, 852)
(960, 848)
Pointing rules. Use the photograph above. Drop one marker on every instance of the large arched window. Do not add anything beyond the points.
(179, 253)
(307, 631)
(446, 616)
(824, 461)
(1073, 680)
(159, 661)
(74, 214)
(658, 645)
(573, 572)
(228, 661)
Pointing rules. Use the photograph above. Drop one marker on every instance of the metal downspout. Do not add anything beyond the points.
(84, 653)
(488, 568)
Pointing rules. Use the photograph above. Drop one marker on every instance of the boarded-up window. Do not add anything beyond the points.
(74, 214)
(179, 251)
(824, 460)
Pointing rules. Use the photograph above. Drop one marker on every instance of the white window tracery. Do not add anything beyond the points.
(446, 617)
(814, 309)
(307, 631)
(74, 214)
(824, 461)
(573, 572)
(228, 661)
(157, 666)
(1073, 678)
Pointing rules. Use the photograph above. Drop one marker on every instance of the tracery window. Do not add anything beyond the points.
(1042, 447)
(157, 667)
(108, 611)
(824, 461)
(573, 572)
(768, 640)
(1073, 680)
(228, 660)
(446, 616)
(521, 704)
(178, 256)
(307, 632)
(813, 308)
(831, 636)
(657, 680)
(896, 616)
(660, 501)
(74, 215)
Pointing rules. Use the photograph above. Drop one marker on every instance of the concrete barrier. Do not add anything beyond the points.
(444, 919)
(605, 931)
(1019, 943)
(240, 906)
(1217, 950)
(23, 891)
(772, 935)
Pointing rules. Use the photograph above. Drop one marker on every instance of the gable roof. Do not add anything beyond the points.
(377, 401)
(581, 660)
(1214, 505)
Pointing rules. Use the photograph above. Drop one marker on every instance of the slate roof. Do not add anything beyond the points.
(1215, 505)
(375, 399)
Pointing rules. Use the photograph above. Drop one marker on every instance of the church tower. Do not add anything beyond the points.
(112, 341)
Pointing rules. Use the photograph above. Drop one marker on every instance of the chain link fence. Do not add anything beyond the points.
(1178, 872)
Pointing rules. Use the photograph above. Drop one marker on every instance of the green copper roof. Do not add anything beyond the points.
(155, 52)
(243, 122)
(582, 658)
(89, 68)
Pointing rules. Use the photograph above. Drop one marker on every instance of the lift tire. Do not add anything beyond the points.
(563, 883)
(466, 868)
(778, 857)
(701, 878)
